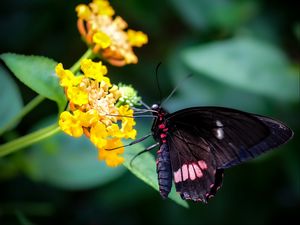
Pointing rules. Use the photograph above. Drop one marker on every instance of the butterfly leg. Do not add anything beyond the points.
(145, 150)
(131, 143)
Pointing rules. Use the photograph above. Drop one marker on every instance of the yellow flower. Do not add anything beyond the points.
(83, 11)
(66, 76)
(89, 118)
(98, 135)
(137, 38)
(70, 124)
(102, 7)
(114, 131)
(101, 39)
(93, 70)
(77, 95)
(107, 35)
(127, 122)
(95, 109)
(112, 157)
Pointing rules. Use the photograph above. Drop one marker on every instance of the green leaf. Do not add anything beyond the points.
(144, 167)
(38, 73)
(10, 98)
(209, 14)
(69, 163)
(248, 64)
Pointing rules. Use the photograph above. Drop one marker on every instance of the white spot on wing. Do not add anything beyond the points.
(219, 124)
(219, 133)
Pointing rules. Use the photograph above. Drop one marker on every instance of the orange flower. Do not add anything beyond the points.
(107, 35)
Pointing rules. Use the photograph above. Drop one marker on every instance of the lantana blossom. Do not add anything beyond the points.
(107, 35)
(97, 109)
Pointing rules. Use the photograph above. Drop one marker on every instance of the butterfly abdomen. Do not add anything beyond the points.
(164, 171)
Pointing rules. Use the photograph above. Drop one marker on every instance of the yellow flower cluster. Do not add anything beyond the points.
(93, 110)
(107, 35)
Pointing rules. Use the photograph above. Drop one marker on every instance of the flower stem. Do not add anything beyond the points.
(28, 139)
(30, 106)
(86, 55)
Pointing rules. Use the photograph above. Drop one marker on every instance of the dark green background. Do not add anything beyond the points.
(35, 189)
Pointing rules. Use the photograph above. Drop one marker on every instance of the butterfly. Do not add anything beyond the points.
(197, 144)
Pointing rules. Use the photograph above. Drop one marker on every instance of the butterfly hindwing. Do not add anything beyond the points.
(193, 165)
(232, 136)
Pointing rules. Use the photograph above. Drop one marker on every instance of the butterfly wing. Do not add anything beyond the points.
(193, 166)
(233, 136)
(205, 140)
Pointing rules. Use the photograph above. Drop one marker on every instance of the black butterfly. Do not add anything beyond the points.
(197, 144)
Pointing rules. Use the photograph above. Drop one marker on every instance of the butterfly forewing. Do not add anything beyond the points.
(231, 136)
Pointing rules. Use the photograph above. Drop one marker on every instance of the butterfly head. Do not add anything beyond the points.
(155, 107)
(158, 110)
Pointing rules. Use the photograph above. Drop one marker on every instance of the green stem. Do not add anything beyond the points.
(31, 105)
(28, 139)
(88, 54)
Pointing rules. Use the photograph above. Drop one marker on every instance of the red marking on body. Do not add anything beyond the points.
(165, 130)
(164, 141)
(161, 126)
(210, 186)
(162, 136)
(202, 164)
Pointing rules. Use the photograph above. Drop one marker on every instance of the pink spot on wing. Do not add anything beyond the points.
(197, 170)
(185, 173)
(177, 176)
(210, 186)
(202, 164)
(192, 172)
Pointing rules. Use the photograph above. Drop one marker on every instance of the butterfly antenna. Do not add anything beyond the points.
(157, 82)
(175, 89)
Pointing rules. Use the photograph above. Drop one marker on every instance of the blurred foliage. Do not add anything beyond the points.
(9, 93)
(242, 54)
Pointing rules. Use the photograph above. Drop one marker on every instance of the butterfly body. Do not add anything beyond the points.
(197, 144)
